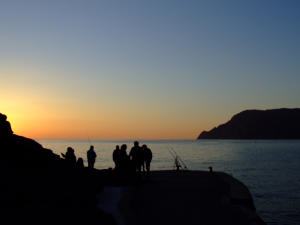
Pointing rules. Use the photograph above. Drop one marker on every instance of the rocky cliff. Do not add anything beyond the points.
(259, 124)
(39, 187)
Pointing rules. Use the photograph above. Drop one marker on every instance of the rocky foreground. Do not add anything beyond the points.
(189, 197)
(38, 187)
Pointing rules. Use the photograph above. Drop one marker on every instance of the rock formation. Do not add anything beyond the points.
(258, 124)
(38, 187)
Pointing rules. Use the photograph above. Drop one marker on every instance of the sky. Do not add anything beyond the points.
(144, 69)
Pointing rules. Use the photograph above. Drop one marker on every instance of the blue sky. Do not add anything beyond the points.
(155, 64)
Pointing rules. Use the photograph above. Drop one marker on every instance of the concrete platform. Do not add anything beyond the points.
(188, 197)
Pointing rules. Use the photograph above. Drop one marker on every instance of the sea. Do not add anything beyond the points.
(269, 168)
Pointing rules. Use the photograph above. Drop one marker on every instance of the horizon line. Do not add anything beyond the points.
(121, 139)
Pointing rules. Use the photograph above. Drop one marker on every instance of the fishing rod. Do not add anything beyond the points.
(177, 157)
(174, 156)
(88, 136)
(89, 140)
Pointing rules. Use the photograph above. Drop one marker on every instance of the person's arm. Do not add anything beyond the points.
(114, 156)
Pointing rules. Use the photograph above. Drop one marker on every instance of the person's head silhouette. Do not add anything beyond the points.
(70, 149)
(136, 143)
(123, 147)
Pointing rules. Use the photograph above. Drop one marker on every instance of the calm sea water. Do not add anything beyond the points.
(269, 168)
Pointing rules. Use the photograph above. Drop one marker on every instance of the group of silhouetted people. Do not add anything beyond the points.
(70, 158)
(138, 160)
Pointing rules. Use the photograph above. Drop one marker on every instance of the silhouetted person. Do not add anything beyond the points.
(70, 156)
(136, 156)
(117, 157)
(79, 163)
(91, 157)
(147, 153)
(124, 158)
(5, 128)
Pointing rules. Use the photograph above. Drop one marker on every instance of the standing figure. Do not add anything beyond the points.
(70, 156)
(116, 157)
(124, 158)
(136, 156)
(91, 157)
(147, 158)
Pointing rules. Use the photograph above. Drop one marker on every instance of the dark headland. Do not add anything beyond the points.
(38, 187)
(259, 124)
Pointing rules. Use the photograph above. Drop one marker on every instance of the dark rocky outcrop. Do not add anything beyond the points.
(259, 124)
(38, 187)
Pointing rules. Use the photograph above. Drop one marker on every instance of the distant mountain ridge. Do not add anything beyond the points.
(259, 124)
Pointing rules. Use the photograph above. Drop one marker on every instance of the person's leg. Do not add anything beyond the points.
(139, 167)
(148, 167)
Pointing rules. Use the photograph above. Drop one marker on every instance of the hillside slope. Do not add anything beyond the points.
(258, 124)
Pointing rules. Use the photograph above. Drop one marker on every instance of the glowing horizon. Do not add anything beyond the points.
(55, 128)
